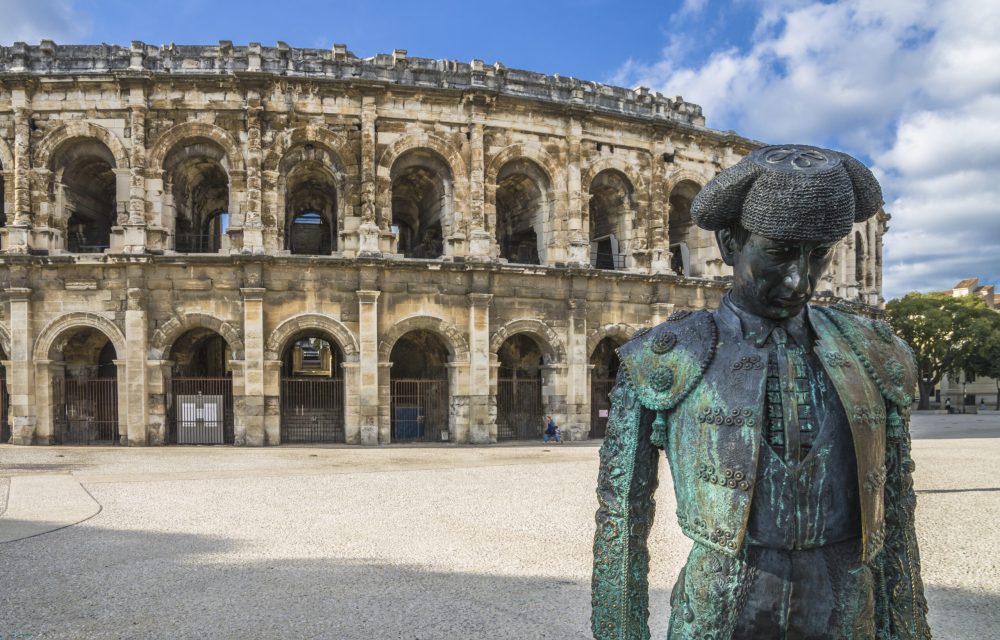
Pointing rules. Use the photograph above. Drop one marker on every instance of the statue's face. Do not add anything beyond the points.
(774, 278)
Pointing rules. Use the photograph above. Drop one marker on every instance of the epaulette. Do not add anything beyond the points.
(666, 362)
(888, 359)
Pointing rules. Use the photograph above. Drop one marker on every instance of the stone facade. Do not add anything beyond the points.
(156, 199)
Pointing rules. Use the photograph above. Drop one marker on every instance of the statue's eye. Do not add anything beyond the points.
(822, 252)
(780, 252)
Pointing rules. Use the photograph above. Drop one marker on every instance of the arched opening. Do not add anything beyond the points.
(84, 388)
(522, 206)
(680, 229)
(419, 388)
(200, 401)
(86, 192)
(3, 200)
(520, 409)
(310, 209)
(5, 429)
(604, 365)
(312, 389)
(612, 203)
(421, 203)
(859, 259)
(196, 179)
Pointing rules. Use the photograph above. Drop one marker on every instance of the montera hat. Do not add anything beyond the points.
(790, 192)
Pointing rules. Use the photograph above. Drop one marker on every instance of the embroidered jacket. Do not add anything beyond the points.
(695, 388)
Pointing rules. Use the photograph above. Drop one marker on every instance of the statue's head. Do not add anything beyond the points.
(777, 216)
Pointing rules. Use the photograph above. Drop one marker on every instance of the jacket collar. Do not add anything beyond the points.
(758, 329)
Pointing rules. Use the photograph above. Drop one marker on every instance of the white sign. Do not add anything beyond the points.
(602, 413)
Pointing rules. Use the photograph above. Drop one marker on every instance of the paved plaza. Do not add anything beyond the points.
(423, 542)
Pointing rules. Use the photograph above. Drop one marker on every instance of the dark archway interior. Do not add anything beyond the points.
(611, 205)
(521, 206)
(311, 355)
(859, 258)
(85, 170)
(200, 353)
(310, 209)
(680, 225)
(605, 359)
(421, 185)
(199, 184)
(421, 355)
(520, 357)
(85, 353)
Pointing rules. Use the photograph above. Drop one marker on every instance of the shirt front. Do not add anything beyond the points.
(806, 491)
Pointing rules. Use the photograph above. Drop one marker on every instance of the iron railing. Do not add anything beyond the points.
(419, 410)
(312, 410)
(196, 243)
(86, 411)
(201, 411)
(611, 261)
(600, 405)
(520, 415)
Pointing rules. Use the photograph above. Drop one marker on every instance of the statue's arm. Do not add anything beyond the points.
(626, 482)
(901, 606)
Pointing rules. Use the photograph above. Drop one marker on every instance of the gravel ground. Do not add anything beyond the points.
(413, 543)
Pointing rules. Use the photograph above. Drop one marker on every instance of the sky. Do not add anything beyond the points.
(911, 87)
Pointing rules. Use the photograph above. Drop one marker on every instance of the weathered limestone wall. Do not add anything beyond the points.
(171, 130)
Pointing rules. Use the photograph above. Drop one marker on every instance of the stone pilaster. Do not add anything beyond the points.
(578, 232)
(253, 367)
(136, 389)
(18, 228)
(480, 240)
(578, 373)
(370, 431)
(21, 371)
(368, 231)
(659, 211)
(253, 233)
(135, 226)
(482, 427)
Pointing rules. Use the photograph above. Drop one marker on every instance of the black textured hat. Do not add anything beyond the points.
(790, 192)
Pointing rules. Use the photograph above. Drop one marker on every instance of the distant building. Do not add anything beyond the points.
(966, 388)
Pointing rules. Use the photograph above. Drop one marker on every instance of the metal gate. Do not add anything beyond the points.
(520, 415)
(4, 407)
(600, 405)
(419, 410)
(312, 410)
(201, 411)
(86, 411)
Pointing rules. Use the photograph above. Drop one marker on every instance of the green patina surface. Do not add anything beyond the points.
(711, 436)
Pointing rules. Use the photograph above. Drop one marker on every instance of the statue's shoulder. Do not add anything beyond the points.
(666, 362)
(886, 357)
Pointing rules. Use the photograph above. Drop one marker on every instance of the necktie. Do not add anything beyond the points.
(788, 393)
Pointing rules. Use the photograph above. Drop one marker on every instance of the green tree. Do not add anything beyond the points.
(947, 335)
(985, 358)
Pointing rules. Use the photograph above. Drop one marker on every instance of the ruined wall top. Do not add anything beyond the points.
(50, 59)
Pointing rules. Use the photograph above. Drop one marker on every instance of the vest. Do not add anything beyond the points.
(706, 385)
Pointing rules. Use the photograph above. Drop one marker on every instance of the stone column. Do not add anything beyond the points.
(481, 424)
(253, 233)
(577, 373)
(136, 391)
(253, 367)
(159, 374)
(371, 432)
(659, 214)
(577, 233)
(272, 402)
(21, 373)
(122, 383)
(480, 240)
(18, 231)
(368, 231)
(135, 225)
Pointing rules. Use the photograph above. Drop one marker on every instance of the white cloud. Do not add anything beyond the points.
(33, 21)
(913, 85)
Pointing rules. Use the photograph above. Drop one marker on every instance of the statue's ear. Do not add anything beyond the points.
(729, 245)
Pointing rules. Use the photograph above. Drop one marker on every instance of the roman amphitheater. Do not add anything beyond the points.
(255, 245)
